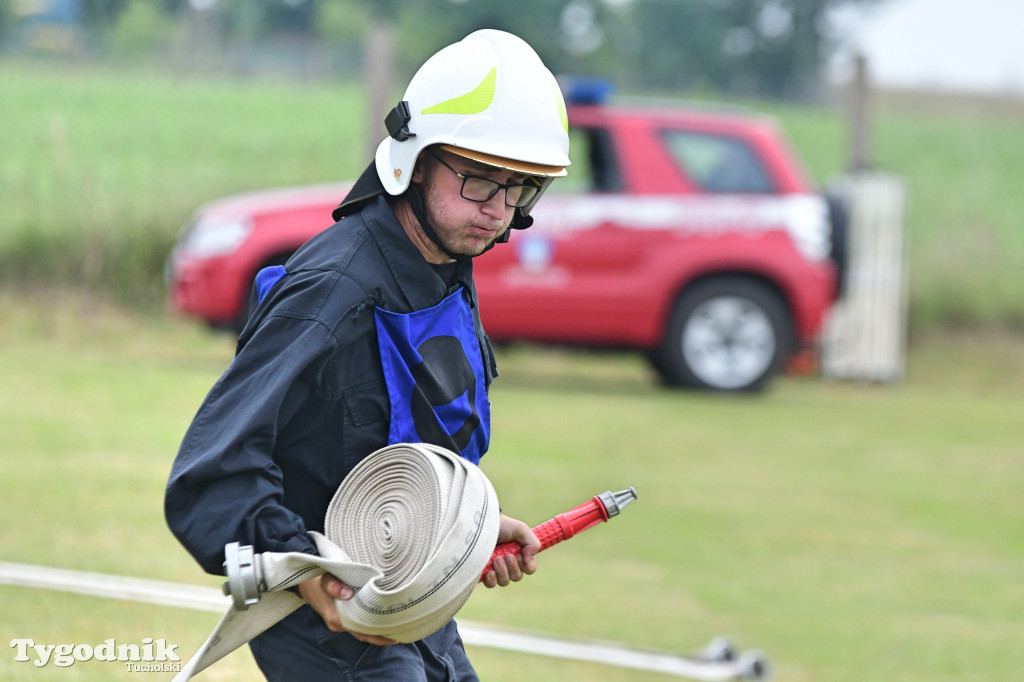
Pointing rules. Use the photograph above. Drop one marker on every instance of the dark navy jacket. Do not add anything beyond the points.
(304, 399)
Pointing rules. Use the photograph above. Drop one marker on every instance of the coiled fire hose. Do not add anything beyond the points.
(409, 529)
(412, 529)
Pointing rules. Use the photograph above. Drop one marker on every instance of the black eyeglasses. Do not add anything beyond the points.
(475, 188)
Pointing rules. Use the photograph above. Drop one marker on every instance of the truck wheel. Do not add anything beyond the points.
(728, 334)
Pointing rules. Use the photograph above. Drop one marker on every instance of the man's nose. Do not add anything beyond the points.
(495, 206)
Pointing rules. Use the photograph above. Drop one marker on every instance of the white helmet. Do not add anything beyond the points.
(487, 97)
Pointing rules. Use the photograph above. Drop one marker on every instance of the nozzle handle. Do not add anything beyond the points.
(599, 508)
(549, 533)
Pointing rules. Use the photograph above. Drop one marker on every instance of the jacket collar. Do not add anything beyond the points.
(366, 187)
(419, 281)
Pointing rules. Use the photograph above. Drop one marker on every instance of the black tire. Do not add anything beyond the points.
(839, 219)
(728, 334)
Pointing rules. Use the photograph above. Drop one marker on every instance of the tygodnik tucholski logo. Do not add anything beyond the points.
(152, 655)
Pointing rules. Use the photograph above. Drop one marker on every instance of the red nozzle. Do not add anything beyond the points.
(599, 508)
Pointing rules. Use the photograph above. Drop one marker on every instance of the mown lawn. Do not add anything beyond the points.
(853, 532)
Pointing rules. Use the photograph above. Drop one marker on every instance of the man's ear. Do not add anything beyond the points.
(418, 170)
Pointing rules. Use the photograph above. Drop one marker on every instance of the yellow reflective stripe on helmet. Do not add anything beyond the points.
(473, 102)
(562, 114)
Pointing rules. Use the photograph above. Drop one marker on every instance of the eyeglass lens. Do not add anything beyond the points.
(482, 189)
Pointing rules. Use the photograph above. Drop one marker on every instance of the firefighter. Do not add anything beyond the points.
(370, 335)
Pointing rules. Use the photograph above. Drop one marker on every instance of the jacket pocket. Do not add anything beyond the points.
(366, 410)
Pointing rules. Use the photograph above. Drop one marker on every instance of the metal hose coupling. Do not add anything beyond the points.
(244, 570)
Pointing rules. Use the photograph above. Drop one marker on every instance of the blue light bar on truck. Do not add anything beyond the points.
(586, 90)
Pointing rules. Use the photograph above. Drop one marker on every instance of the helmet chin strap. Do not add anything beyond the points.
(419, 210)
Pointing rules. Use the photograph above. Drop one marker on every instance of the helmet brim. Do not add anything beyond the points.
(513, 165)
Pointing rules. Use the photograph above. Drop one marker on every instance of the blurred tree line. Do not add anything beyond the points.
(772, 48)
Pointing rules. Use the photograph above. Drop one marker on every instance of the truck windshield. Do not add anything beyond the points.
(718, 164)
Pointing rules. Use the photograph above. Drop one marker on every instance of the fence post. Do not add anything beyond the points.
(859, 117)
(378, 76)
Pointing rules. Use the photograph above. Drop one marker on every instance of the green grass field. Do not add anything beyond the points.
(101, 167)
(854, 532)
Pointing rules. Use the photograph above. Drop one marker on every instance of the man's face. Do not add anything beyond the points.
(465, 227)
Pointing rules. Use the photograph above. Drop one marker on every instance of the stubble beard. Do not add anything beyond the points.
(451, 245)
(448, 241)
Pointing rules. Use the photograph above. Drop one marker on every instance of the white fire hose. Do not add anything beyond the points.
(410, 529)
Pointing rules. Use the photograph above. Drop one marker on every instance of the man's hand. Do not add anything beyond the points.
(511, 568)
(321, 592)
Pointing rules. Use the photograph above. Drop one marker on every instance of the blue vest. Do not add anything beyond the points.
(435, 377)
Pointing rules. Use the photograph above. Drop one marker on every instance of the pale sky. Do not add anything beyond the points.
(957, 45)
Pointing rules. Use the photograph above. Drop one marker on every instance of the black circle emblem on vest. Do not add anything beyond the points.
(444, 375)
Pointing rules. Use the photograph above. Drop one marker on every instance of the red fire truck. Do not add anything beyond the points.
(693, 235)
